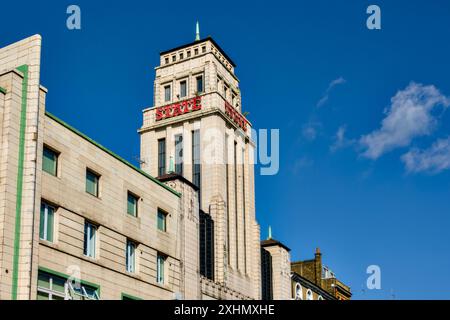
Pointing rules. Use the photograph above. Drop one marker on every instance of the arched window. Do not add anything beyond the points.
(309, 295)
(298, 292)
(320, 298)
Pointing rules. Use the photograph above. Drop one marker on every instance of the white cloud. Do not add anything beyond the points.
(326, 95)
(311, 130)
(340, 140)
(409, 116)
(433, 160)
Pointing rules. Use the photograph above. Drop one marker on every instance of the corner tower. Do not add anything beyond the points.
(196, 129)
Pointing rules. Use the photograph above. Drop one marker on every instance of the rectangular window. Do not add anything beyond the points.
(188, 53)
(196, 165)
(206, 240)
(46, 222)
(174, 58)
(244, 224)
(131, 256)
(50, 161)
(161, 157)
(132, 204)
(162, 220)
(167, 60)
(50, 287)
(179, 154)
(183, 89)
(181, 56)
(196, 51)
(167, 93)
(233, 99)
(225, 91)
(227, 181)
(203, 49)
(160, 265)
(92, 180)
(236, 205)
(90, 235)
(199, 80)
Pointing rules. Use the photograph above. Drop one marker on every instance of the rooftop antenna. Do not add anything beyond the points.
(197, 31)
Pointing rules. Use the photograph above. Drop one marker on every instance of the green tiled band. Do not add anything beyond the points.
(21, 157)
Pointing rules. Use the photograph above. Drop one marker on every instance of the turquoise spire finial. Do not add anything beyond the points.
(197, 31)
(171, 165)
(270, 233)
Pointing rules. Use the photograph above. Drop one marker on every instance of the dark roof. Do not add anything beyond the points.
(273, 242)
(198, 42)
(175, 176)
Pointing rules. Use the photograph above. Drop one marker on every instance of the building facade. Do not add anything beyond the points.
(77, 221)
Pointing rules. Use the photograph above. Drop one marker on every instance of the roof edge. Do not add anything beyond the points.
(117, 157)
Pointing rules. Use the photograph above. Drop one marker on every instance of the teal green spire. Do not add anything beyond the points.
(270, 233)
(197, 31)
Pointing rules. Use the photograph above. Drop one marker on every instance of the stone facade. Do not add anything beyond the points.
(58, 202)
(226, 175)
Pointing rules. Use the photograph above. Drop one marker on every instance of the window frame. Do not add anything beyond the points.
(88, 246)
(202, 89)
(45, 237)
(136, 208)
(56, 154)
(162, 154)
(167, 97)
(97, 181)
(160, 270)
(130, 256)
(185, 88)
(164, 214)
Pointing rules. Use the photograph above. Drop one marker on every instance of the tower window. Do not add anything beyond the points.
(183, 88)
(161, 157)
(206, 245)
(196, 51)
(188, 53)
(166, 60)
(203, 49)
(167, 93)
(174, 58)
(179, 154)
(199, 80)
(181, 56)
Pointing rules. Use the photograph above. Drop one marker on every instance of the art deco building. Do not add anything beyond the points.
(79, 222)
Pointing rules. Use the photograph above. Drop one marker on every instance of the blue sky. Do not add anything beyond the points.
(362, 115)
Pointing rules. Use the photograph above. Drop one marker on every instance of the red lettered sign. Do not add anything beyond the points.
(236, 116)
(179, 108)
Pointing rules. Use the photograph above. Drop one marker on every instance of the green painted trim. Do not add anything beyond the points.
(61, 122)
(21, 157)
(129, 296)
(65, 276)
(3, 90)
